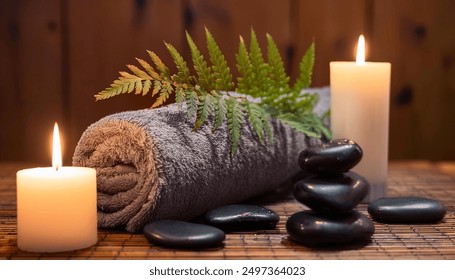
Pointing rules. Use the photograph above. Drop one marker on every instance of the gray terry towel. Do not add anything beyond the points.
(151, 165)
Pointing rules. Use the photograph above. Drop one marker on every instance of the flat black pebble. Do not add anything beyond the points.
(241, 217)
(333, 195)
(308, 228)
(406, 210)
(179, 234)
(333, 157)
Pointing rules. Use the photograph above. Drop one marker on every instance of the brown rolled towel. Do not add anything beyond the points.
(151, 165)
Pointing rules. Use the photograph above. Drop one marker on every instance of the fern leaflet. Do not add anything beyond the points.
(204, 73)
(221, 71)
(235, 116)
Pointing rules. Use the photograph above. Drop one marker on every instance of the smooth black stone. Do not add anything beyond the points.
(406, 210)
(179, 234)
(239, 217)
(308, 228)
(336, 195)
(333, 157)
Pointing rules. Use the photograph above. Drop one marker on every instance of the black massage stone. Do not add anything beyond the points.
(406, 210)
(240, 217)
(310, 229)
(178, 234)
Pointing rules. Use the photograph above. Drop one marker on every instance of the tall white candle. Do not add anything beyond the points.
(360, 111)
(56, 206)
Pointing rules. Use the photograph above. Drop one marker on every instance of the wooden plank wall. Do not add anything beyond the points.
(56, 54)
(30, 77)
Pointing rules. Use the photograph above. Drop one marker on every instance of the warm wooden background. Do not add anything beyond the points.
(56, 54)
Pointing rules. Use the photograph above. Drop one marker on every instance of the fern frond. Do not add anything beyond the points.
(165, 92)
(244, 84)
(146, 87)
(161, 99)
(267, 127)
(183, 72)
(221, 71)
(113, 90)
(306, 69)
(192, 102)
(180, 95)
(164, 71)
(126, 83)
(308, 123)
(315, 122)
(138, 72)
(206, 92)
(305, 103)
(204, 73)
(149, 69)
(254, 115)
(279, 81)
(259, 79)
(138, 87)
(235, 115)
(204, 110)
(297, 124)
(220, 111)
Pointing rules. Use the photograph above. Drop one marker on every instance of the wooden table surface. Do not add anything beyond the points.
(396, 241)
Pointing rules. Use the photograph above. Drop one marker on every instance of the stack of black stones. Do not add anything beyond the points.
(332, 192)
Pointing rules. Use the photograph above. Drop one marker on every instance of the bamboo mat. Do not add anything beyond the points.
(419, 241)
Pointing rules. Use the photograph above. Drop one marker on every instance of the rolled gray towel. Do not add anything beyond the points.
(151, 165)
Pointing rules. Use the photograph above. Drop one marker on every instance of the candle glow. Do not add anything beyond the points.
(360, 58)
(56, 149)
(56, 206)
(359, 97)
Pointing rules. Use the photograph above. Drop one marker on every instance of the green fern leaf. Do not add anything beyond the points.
(183, 72)
(308, 123)
(202, 94)
(204, 110)
(220, 111)
(315, 122)
(192, 102)
(254, 115)
(305, 103)
(267, 127)
(180, 95)
(279, 81)
(306, 69)
(260, 83)
(221, 71)
(244, 85)
(235, 116)
(204, 73)
(297, 124)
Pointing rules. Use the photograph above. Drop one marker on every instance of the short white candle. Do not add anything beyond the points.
(56, 207)
(360, 93)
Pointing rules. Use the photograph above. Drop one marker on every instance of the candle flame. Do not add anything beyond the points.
(56, 149)
(361, 50)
